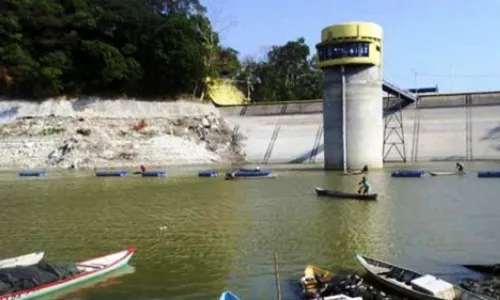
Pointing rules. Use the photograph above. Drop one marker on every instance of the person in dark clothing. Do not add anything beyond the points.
(365, 169)
(143, 169)
(459, 168)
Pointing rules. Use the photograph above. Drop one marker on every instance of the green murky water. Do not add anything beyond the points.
(196, 237)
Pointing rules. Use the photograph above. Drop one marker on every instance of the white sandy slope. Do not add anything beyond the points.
(166, 140)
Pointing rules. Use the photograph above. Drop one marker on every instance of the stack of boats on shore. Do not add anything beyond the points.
(400, 282)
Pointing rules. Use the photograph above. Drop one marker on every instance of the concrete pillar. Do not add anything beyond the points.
(364, 126)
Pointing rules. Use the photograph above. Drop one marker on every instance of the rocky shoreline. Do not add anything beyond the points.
(87, 142)
(489, 287)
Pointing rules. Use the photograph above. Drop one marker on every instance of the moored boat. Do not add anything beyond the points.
(23, 260)
(228, 295)
(340, 297)
(413, 284)
(446, 173)
(256, 173)
(493, 269)
(316, 283)
(87, 270)
(352, 173)
(343, 195)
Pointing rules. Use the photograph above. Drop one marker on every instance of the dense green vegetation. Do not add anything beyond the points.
(136, 48)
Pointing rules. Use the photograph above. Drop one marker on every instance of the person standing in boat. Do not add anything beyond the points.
(459, 168)
(365, 169)
(365, 187)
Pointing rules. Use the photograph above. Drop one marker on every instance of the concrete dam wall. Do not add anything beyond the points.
(441, 127)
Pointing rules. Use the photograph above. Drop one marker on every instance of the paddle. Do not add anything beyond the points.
(276, 275)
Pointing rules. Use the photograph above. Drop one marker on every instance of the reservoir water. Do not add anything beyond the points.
(196, 237)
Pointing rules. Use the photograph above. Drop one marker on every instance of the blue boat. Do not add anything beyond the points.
(154, 174)
(249, 173)
(32, 173)
(119, 173)
(228, 295)
(208, 173)
(408, 173)
(489, 174)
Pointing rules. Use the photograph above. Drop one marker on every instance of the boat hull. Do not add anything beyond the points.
(23, 260)
(270, 176)
(90, 269)
(446, 173)
(227, 295)
(486, 269)
(354, 173)
(342, 195)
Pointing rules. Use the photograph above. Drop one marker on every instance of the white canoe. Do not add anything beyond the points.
(446, 173)
(341, 297)
(22, 261)
(90, 269)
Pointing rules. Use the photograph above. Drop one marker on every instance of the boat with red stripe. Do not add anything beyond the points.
(89, 269)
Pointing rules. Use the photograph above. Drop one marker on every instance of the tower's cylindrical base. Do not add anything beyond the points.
(363, 116)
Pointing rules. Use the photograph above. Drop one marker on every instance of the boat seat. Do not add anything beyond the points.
(407, 277)
(394, 273)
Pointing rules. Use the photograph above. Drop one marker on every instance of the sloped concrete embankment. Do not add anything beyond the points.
(453, 133)
(448, 129)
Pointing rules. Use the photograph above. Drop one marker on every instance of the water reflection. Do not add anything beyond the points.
(109, 283)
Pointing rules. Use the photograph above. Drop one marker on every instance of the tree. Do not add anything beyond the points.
(287, 73)
(218, 60)
(147, 48)
(143, 48)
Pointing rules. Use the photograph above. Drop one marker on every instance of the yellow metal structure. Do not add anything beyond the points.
(223, 92)
(350, 43)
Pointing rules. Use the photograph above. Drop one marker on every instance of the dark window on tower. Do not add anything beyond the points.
(334, 51)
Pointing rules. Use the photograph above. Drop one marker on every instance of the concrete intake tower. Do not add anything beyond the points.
(350, 56)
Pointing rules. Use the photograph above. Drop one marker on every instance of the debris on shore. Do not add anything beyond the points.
(489, 287)
(65, 142)
(352, 285)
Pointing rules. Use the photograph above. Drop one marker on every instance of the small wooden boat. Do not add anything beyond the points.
(446, 173)
(269, 176)
(350, 173)
(342, 195)
(228, 295)
(487, 269)
(413, 284)
(89, 269)
(315, 283)
(249, 174)
(313, 280)
(23, 260)
(341, 297)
